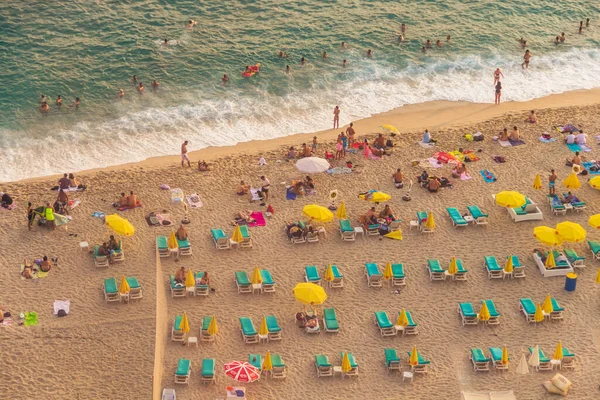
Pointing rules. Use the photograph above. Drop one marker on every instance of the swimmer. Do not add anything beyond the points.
(521, 41)
(191, 23)
(524, 43)
(154, 84)
(428, 44)
(580, 27)
(526, 59)
(59, 100)
(369, 53)
(76, 104)
(562, 37)
(141, 88)
(121, 93)
(448, 39)
(343, 46)
(302, 61)
(287, 69)
(587, 23)
(557, 40)
(439, 43)
(325, 54)
(281, 54)
(423, 50)
(134, 79)
(344, 63)
(403, 29)
(400, 38)
(248, 70)
(497, 75)
(43, 98)
(224, 79)
(165, 42)
(44, 107)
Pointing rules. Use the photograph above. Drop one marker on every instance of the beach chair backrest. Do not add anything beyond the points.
(372, 269)
(467, 310)
(434, 265)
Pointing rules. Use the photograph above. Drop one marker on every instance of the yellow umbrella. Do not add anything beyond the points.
(539, 315)
(256, 277)
(598, 276)
(119, 225)
(414, 357)
(268, 362)
(547, 305)
(547, 235)
(572, 182)
(264, 329)
(453, 268)
(558, 353)
(172, 242)
(124, 287)
(594, 221)
(510, 199)
(213, 329)
(390, 128)
(484, 312)
(190, 281)
(185, 324)
(550, 261)
(402, 318)
(504, 359)
(397, 235)
(571, 232)
(537, 182)
(595, 182)
(508, 267)
(309, 293)
(430, 222)
(387, 272)
(237, 235)
(375, 196)
(341, 211)
(318, 213)
(346, 366)
(329, 273)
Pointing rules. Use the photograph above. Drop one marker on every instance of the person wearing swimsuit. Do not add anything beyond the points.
(497, 75)
(498, 92)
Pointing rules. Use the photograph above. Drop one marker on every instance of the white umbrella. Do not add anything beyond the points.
(523, 368)
(312, 165)
(534, 359)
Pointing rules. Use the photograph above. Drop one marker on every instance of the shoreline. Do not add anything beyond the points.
(434, 115)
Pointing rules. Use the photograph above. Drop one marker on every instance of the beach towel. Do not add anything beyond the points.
(574, 147)
(426, 145)
(547, 140)
(465, 177)
(504, 143)
(164, 219)
(194, 201)
(62, 305)
(587, 165)
(567, 128)
(74, 203)
(289, 194)
(488, 176)
(176, 195)
(516, 142)
(254, 193)
(70, 189)
(60, 220)
(585, 148)
(339, 170)
(9, 208)
(433, 162)
(31, 318)
(259, 219)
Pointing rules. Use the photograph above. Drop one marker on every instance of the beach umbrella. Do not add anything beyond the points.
(312, 165)
(523, 368)
(346, 366)
(504, 359)
(318, 213)
(172, 242)
(267, 362)
(264, 329)
(547, 235)
(571, 232)
(484, 312)
(213, 329)
(190, 281)
(453, 268)
(510, 199)
(414, 357)
(341, 211)
(509, 267)
(550, 260)
(241, 371)
(390, 129)
(329, 274)
(375, 196)
(558, 353)
(430, 222)
(572, 182)
(124, 286)
(185, 323)
(537, 182)
(594, 221)
(547, 305)
(119, 225)
(256, 277)
(396, 235)
(237, 236)
(534, 359)
(539, 314)
(595, 182)
(309, 293)
(387, 272)
(598, 276)
(402, 318)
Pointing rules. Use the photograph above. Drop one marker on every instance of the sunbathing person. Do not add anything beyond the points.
(202, 166)
(575, 160)
(515, 135)
(105, 250)
(503, 136)
(180, 275)
(398, 178)
(205, 280)
(309, 182)
(132, 200)
(423, 179)
(28, 270)
(434, 185)
(298, 188)
(113, 244)
(63, 200)
(387, 213)
(243, 218)
(45, 265)
(540, 254)
(532, 119)
(377, 152)
(243, 189)
(459, 170)
(181, 233)
(294, 230)
(371, 216)
(122, 202)
(306, 151)
(379, 142)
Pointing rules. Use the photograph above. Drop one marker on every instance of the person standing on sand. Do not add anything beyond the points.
(498, 92)
(497, 75)
(350, 132)
(184, 156)
(526, 59)
(552, 182)
(336, 117)
(266, 184)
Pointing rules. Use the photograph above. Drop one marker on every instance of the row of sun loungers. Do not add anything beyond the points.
(386, 328)
(177, 335)
(325, 368)
(528, 308)
(470, 317)
(375, 276)
(558, 207)
(496, 271)
(243, 284)
(112, 294)
(184, 247)
(567, 361)
(184, 371)
(250, 334)
(179, 290)
(437, 273)
(279, 370)
(311, 275)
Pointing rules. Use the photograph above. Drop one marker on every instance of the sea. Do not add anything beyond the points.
(91, 49)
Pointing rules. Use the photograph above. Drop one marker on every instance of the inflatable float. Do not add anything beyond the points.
(253, 71)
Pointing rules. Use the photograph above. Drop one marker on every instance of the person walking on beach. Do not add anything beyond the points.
(184, 156)
(526, 59)
(497, 75)
(498, 92)
(552, 182)
(336, 117)
(350, 133)
(266, 184)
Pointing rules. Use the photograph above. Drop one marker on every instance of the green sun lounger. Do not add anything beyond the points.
(249, 333)
(183, 244)
(421, 215)
(311, 274)
(492, 264)
(478, 356)
(346, 225)
(218, 234)
(567, 353)
(208, 370)
(161, 243)
(267, 278)
(245, 231)
(496, 354)
(330, 320)
(543, 358)
(392, 361)
(336, 272)
(255, 360)
(595, 247)
(242, 282)
(555, 305)
(353, 363)
(457, 219)
(528, 308)
(383, 320)
(516, 261)
(206, 322)
(277, 361)
(476, 212)
(373, 275)
(183, 367)
(434, 266)
(324, 367)
(272, 324)
(110, 285)
(421, 360)
(467, 310)
(491, 308)
(398, 271)
(133, 282)
(372, 269)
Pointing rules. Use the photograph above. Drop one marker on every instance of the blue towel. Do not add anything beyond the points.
(574, 147)
(289, 195)
(587, 166)
(516, 142)
(544, 140)
(485, 178)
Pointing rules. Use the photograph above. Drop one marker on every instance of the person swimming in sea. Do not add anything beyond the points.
(43, 98)
(369, 53)
(403, 29)
(524, 43)
(281, 54)
(121, 93)
(428, 44)
(557, 40)
(526, 59)
(401, 38)
(423, 50)
(59, 101)
(562, 37)
(302, 61)
(191, 23)
(439, 43)
(325, 55)
(224, 79)
(343, 46)
(165, 42)
(76, 103)
(448, 39)
(155, 84)
(44, 107)
(134, 79)
(497, 75)
(141, 88)
(344, 63)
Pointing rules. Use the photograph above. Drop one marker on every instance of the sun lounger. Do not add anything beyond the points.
(394, 225)
(279, 370)
(221, 240)
(527, 307)
(168, 394)
(562, 268)
(575, 260)
(373, 275)
(557, 310)
(204, 335)
(330, 322)
(480, 361)
(422, 216)
(386, 328)
(372, 230)
(255, 360)
(312, 237)
(496, 356)
(595, 248)
(110, 290)
(577, 205)
(338, 278)
(208, 370)
(545, 364)
(568, 360)
(135, 290)
(457, 219)
(518, 268)
(529, 212)
(392, 361)
(324, 367)
(100, 261)
(268, 284)
(242, 282)
(479, 217)
(119, 253)
(311, 274)
(461, 273)
(398, 276)
(422, 363)
(185, 248)
(184, 369)
(411, 328)
(162, 246)
(200, 290)
(436, 273)
(273, 326)
(494, 314)
(347, 231)
(177, 290)
(247, 238)
(177, 335)
(494, 270)
(353, 365)
(467, 314)
(249, 333)
(313, 329)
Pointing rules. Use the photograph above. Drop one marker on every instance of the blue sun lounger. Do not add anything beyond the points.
(184, 369)
(480, 361)
(373, 275)
(467, 314)
(386, 328)
(436, 272)
(494, 270)
(457, 219)
(392, 361)
(496, 356)
(311, 274)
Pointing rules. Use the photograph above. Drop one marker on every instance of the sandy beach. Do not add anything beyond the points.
(102, 351)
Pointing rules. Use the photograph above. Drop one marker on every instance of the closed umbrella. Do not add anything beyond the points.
(185, 324)
(453, 267)
(312, 165)
(241, 371)
(256, 277)
(414, 357)
(396, 235)
(309, 293)
(523, 368)
(172, 242)
(572, 182)
(504, 359)
(484, 312)
(547, 235)
(547, 305)
(430, 222)
(387, 272)
(375, 196)
(329, 274)
(341, 211)
(595, 182)
(509, 267)
(213, 329)
(571, 232)
(534, 359)
(539, 314)
(124, 286)
(594, 221)
(537, 182)
(190, 281)
(268, 362)
(510, 199)
(558, 353)
(598, 276)
(402, 318)
(119, 225)
(264, 329)
(318, 213)
(346, 366)
(237, 235)
(550, 260)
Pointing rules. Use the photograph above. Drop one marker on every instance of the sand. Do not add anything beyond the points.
(124, 350)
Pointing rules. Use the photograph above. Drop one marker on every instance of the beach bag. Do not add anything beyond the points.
(61, 313)
(389, 143)
(478, 137)
(584, 172)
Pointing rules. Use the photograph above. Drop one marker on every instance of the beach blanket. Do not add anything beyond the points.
(62, 305)
(516, 142)
(504, 143)
(9, 208)
(433, 162)
(194, 201)
(547, 140)
(574, 147)
(488, 176)
(254, 193)
(339, 170)
(60, 220)
(426, 145)
(587, 165)
(74, 203)
(176, 195)
(164, 219)
(31, 318)
(289, 194)
(567, 128)
(259, 219)
(465, 177)
(70, 189)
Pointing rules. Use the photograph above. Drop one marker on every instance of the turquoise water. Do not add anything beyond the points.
(91, 49)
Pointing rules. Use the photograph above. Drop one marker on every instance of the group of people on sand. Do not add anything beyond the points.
(261, 194)
(181, 274)
(372, 217)
(298, 230)
(580, 138)
(513, 136)
(202, 165)
(44, 107)
(127, 201)
(305, 151)
(434, 183)
(108, 248)
(43, 265)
